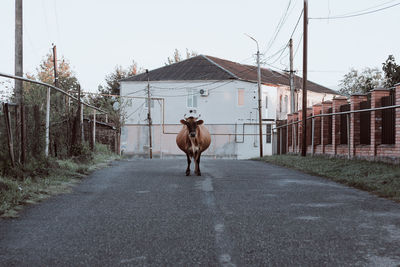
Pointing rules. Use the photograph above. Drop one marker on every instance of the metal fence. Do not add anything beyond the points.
(39, 123)
(387, 131)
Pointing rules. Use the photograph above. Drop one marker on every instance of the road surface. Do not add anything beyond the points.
(239, 213)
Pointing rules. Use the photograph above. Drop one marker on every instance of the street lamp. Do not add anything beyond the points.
(259, 94)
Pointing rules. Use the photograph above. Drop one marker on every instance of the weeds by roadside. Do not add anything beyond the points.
(47, 177)
(379, 178)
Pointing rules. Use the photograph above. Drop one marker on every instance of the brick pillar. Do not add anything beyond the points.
(316, 110)
(397, 121)
(299, 130)
(289, 132)
(376, 118)
(336, 103)
(295, 133)
(309, 130)
(326, 105)
(355, 121)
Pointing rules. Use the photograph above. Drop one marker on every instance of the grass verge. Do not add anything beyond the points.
(376, 177)
(58, 176)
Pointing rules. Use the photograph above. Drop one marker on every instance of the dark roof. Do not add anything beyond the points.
(212, 68)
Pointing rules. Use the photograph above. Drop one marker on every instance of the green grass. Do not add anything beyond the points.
(58, 176)
(379, 178)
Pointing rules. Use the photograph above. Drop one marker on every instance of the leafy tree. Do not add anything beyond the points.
(112, 85)
(360, 82)
(392, 71)
(62, 112)
(176, 57)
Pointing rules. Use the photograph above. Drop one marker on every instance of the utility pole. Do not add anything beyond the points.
(259, 101)
(292, 90)
(291, 82)
(304, 105)
(259, 96)
(149, 114)
(19, 72)
(55, 66)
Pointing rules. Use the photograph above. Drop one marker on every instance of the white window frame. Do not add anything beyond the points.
(192, 94)
(237, 97)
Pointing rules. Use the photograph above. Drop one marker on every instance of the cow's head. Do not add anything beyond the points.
(191, 124)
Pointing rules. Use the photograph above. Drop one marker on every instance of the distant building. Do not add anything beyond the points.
(223, 92)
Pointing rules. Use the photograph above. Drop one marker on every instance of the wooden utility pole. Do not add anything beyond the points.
(304, 105)
(149, 114)
(55, 66)
(19, 93)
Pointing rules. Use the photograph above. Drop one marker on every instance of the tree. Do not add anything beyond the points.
(112, 80)
(392, 71)
(177, 56)
(62, 112)
(356, 82)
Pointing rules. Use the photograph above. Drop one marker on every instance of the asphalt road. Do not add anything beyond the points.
(239, 213)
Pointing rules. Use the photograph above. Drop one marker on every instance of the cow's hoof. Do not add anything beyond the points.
(187, 173)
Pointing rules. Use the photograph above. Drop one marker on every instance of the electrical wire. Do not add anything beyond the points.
(297, 23)
(356, 14)
(278, 27)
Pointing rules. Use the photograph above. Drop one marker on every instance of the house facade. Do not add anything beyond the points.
(223, 93)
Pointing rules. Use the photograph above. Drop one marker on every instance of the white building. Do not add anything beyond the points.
(222, 92)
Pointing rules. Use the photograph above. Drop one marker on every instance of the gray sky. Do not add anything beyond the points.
(97, 35)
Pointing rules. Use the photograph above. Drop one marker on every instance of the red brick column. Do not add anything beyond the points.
(376, 118)
(309, 130)
(336, 103)
(316, 110)
(299, 130)
(397, 121)
(355, 121)
(295, 133)
(289, 131)
(324, 124)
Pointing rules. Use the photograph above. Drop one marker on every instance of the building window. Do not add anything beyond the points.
(266, 102)
(146, 103)
(269, 134)
(192, 98)
(285, 104)
(240, 97)
(280, 103)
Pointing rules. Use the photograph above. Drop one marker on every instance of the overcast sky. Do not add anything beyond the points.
(97, 35)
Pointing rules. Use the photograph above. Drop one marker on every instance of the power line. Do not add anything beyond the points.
(297, 23)
(278, 27)
(344, 16)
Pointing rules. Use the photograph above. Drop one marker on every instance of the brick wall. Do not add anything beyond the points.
(327, 131)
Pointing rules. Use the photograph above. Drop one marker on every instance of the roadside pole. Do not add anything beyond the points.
(149, 114)
(304, 105)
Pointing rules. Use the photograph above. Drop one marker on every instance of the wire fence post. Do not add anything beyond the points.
(312, 135)
(9, 133)
(46, 151)
(82, 128)
(94, 129)
(348, 135)
(280, 141)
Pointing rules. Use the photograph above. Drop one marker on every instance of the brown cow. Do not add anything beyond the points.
(193, 139)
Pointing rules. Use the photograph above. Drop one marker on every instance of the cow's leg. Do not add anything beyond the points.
(188, 166)
(197, 164)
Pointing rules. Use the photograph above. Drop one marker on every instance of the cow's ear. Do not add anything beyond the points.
(199, 122)
(183, 122)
